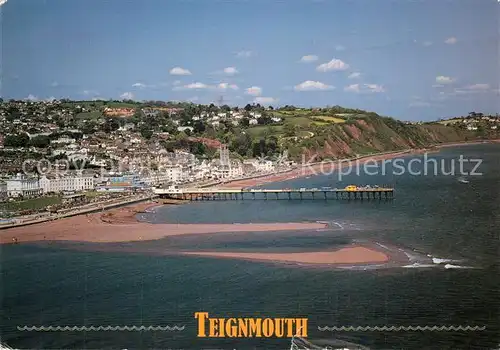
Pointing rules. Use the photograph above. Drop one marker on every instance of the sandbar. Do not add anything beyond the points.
(120, 225)
(348, 255)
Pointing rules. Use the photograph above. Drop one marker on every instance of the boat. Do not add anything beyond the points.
(463, 180)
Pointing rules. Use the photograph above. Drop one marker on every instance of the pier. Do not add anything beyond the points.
(349, 192)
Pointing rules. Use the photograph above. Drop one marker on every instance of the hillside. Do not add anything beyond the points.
(371, 134)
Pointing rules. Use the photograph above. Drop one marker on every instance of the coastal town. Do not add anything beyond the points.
(61, 154)
(52, 150)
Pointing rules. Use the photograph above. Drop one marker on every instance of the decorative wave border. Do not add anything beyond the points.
(435, 328)
(99, 328)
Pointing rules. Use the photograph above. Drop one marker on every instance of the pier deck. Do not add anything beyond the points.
(287, 193)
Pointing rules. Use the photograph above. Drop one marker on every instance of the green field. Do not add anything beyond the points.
(35, 203)
(329, 119)
(260, 130)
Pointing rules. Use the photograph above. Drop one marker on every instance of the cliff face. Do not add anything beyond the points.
(377, 134)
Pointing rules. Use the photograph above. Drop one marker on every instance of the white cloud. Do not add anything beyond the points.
(31, 98)
(177, 82)
(358, 88)
(334, 64)
(265, 100)
(254, 91)
(450, 41)
(478, 87)
(444, 80)
(427, 43)
(340, 48)
(2, 2)
(225, 86)
(50, 99)
(196, 85)
(309, 58)
(354, 75)
(139, 85)
(179, 71)
(201, 86)
(310, 85)
(127, 96)
(244, 54)
(230, 70)
(471, 89)
(352, 88)
(375, 88)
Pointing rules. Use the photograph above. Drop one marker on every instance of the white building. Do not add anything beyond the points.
(264, 166)
(66, 184)
(236, 169)
(24, 186)
(173, 173)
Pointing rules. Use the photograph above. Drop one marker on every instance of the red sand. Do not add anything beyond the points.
(349, 255)
(119, 225)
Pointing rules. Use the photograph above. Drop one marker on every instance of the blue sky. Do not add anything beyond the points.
(410, 59)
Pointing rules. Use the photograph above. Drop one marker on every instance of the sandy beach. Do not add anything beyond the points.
(121, 225)
(348, 255)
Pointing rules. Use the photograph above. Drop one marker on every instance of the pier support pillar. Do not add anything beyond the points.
(289, 195)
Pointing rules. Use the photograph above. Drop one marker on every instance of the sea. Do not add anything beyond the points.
(448, 300)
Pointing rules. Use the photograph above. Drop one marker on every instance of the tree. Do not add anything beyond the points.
(110, 125)
(241, 144)
(40, 141)
(248, 107)
(20, 140)
(289, 130)
(198, 127)
(146, 132)
(245, 122)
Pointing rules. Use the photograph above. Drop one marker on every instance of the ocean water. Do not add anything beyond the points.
(436, 216)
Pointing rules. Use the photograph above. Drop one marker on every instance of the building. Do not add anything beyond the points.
(264, 166)
(66, 184)
(23, 186)
(3, 191)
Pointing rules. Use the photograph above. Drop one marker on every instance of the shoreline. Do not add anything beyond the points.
(121, 224)
(331, 165)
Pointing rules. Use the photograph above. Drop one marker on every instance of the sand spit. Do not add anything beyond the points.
(348, 255)
(120, 225)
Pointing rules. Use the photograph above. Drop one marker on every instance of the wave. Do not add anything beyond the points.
(441, 260)
(418, 265)
(450, 266)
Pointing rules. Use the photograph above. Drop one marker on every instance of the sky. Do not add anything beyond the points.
(409, 59)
